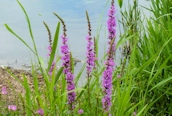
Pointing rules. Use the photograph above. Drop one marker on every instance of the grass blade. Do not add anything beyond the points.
(11, 31)
(54, 47)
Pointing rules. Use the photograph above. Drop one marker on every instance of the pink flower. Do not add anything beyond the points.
(4, 90)
(40, 112)
(80, 111)
(12, 107)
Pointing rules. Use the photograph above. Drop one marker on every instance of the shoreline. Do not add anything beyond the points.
(13, 86)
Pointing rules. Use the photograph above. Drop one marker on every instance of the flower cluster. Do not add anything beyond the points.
(111, 24)
(70, 87)
(90, 55)
(67, 71)
(109, 63)
(12, 107)
(107, 84)
(66, 55)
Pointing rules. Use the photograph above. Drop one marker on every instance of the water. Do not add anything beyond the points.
(14, 53)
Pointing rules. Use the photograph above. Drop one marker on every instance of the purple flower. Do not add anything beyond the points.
(80, 111)
(106, 101)
(109, 63)
(90, 56)
(111, 24)
(67, 70)
(40, 112)
(70, 87)
(107, 86)
(4, 90)
(66, 55)
(64, 49)
(12, 107)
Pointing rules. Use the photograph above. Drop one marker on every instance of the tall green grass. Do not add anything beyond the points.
(153, 61)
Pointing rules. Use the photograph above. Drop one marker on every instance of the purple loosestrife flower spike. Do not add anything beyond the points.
(111, 24)
(90, 56)
(90, 51)
(109, 63)
(69, 76)
(66, 63)
(4, 90)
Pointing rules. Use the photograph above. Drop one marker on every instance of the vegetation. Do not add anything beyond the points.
(140, 85)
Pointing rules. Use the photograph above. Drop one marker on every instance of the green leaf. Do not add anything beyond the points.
(161, 83)
(120, 3)
(28, 97)
(123, 40)
(11, 31)
(54, 47)
(29, 26)
(142, 110)
(59, 73)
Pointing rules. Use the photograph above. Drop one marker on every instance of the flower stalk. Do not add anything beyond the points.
(109, 63)
(49, 34)
(90, 57)
(66, 63)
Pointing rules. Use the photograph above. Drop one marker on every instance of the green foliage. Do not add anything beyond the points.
(141, 83)
(120, 2)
